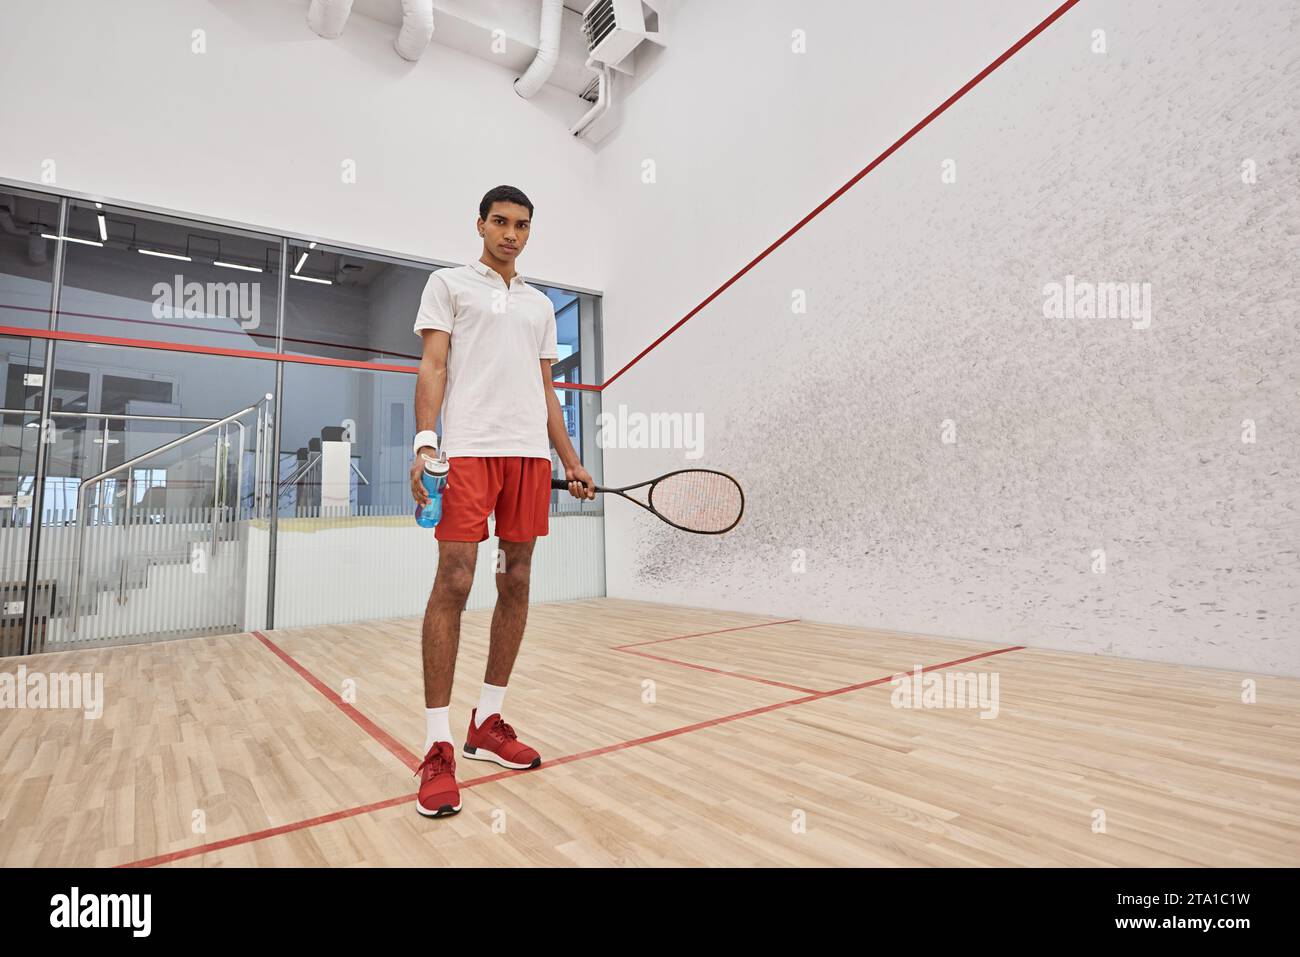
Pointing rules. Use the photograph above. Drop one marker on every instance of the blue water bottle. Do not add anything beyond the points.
(434, 478)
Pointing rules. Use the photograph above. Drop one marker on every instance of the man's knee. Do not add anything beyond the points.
(514, 579)
(454, 582)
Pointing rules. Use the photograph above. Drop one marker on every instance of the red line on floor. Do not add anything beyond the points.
(717, 671)
(269, 832)
(970, 84)
(553, 762)
(720, 671)
(372, 729)
(703, 634)
(945, 664)
(763, 709)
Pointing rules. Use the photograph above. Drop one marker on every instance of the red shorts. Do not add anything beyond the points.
(517, 489)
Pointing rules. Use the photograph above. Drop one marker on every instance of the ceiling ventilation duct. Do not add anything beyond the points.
(327, 18)
(417, 29)
(613, 29)
(548, 50)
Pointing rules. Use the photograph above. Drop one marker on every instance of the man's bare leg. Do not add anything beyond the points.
(440, 636)
(511, 612)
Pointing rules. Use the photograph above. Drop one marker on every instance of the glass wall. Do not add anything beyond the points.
(142, 276)
(342, 304)
(578, 326)
(188, 452)
(20, 435)
(26, 257)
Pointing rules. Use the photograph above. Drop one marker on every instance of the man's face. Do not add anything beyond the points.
(505, 231)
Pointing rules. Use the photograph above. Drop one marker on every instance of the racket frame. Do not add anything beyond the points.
(563, 485)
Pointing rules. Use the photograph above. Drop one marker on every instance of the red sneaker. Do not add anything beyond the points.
(495, 741)
(439, 795)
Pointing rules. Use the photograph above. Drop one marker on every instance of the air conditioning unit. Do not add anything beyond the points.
(614, 28)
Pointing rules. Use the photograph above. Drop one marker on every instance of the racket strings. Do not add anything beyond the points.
(698, 500)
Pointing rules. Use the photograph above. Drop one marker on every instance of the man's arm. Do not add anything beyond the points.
(581, 484)
(430, 387)
(431, 383)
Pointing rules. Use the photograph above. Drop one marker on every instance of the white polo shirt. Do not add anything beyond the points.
(495, 403)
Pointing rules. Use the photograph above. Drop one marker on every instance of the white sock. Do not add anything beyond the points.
(489, 702)
(438, 723)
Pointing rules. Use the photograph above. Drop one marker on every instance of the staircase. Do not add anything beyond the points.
(138, 570)
(149, 582)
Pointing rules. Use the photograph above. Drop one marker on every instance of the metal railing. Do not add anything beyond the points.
(106, 417)
(111, 416)
(260, 493)
(313, 459)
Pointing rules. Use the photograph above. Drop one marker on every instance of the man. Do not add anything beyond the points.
(489, 340)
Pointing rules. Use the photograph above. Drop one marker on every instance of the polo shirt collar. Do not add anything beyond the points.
(483, 269)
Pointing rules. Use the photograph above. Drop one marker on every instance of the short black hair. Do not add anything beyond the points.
(504, 194)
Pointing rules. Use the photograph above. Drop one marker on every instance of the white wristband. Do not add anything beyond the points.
(427, 438)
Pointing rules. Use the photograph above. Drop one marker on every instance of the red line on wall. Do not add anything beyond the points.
(893, 147)
(59, 335)
(62, 336)
(970, 84)
(243, 333)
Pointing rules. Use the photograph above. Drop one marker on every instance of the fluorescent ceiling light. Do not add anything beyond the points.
(324, 282)
(154, 252)
(302, 259)
(217, 262)
(71, 239)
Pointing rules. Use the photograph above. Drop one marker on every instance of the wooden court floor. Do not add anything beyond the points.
(669, 736)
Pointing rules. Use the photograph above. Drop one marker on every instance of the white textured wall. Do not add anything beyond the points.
(925, 304)
(255, 129)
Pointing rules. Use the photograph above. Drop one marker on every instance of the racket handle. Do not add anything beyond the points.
(563, 485)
